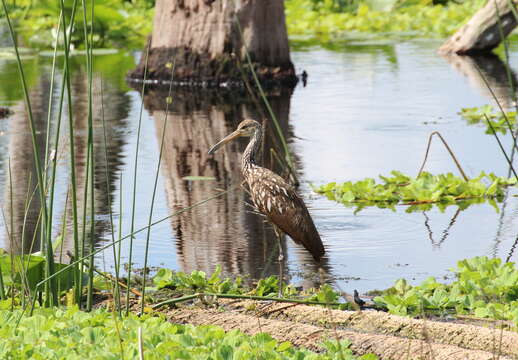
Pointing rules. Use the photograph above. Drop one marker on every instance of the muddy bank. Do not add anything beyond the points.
(448, 333)
(396, 347)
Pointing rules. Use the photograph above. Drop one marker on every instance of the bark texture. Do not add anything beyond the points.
(203, 39)
(482, 32)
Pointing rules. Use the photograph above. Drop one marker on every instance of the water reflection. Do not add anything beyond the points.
(111, 104)
(224, 231)
(493, 78)
(21, 194)
(487, 73)
(23, 213)
(437, 243)
(366, 110)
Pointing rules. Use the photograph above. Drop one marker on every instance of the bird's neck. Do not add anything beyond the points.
(250, 154)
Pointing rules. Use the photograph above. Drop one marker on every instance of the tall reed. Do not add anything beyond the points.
(155, 184)
(133, 206)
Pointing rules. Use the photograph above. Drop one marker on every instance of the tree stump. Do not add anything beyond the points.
(482, 32)
(208, 45)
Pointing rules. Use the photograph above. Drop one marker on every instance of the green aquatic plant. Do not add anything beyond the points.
(116, 23)
(21, 273)
(411, 17)
(500, 122)
(483, 287)
(422, 192)
(72, 334)
(198, 282)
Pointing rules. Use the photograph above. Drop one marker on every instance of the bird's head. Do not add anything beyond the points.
(246, 128)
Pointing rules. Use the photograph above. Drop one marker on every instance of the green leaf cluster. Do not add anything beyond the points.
(483, 287)
(424, 191)
(199, 282)
(499, 121)
(24, 272)
(377, 16)
(117, 23)
(71, 334)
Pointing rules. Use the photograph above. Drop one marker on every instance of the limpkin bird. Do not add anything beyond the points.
(272, 196)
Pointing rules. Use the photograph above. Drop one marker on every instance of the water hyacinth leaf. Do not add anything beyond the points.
(499, 121)
(440, 190)
(484, 287)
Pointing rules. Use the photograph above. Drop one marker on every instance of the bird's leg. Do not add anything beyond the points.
(278, 234)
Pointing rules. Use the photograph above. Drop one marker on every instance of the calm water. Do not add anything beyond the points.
(367, 109)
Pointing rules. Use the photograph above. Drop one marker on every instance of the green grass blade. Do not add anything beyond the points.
(52, 296)
(130, 257)
(116, 260)
(162, 140)
(73, 183)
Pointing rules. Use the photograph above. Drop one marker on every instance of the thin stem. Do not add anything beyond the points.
(35, 148)
(508, 123)
(245, 297)
(164, 127)
(449, 151)
(501, 146)
(135, 175)
(77, 271)
(108, 182)
(89, 186)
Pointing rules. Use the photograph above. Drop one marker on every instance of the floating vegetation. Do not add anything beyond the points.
(72, 334)
(325, 18)
(499, 121)
(421, 192)
(484, 288)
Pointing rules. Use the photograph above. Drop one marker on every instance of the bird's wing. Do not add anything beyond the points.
(282, 205)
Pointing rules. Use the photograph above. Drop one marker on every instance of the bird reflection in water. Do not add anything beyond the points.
(274, 197)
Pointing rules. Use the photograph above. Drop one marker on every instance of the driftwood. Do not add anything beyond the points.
(311, 336)
(483, 31)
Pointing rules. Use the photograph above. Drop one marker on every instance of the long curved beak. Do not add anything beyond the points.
(223, 141)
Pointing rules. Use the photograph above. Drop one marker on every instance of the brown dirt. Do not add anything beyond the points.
(311, 336)
(461, 335)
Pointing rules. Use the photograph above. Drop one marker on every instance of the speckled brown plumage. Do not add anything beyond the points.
(273, 196)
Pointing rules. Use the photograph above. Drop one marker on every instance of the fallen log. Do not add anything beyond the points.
(311, 336)
(484, 30)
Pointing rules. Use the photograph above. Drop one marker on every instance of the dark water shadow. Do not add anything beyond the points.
(445, 233)
(491, 68)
